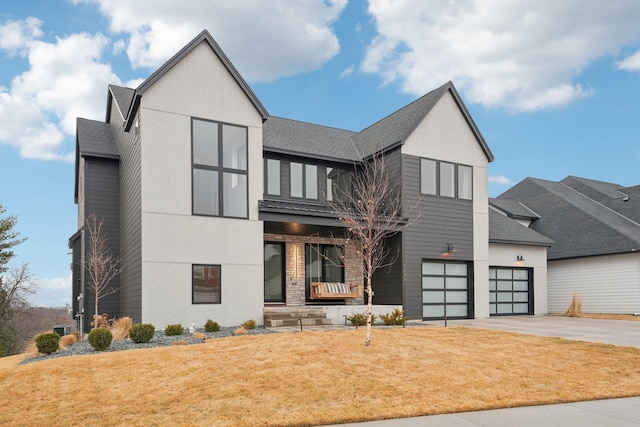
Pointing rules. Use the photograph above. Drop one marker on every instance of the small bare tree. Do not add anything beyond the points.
(372, 212)
(15, 287)
(101, 265)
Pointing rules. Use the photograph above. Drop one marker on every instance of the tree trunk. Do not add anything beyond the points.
(367, 340)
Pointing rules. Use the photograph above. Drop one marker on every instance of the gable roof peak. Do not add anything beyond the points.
(398, 126)
(203, 37)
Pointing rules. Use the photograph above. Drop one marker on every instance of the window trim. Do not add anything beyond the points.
(304, 181)
(266, 177)
(193, 278)
(220, 169)
(438, 178)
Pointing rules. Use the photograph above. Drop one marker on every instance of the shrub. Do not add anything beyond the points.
(100, 338)
(211, 326)
(360, 319)
(141, 332)
(176, 329)
(249, 324)
(48, 343)
(395, 317)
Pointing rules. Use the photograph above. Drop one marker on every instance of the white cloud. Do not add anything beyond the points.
(15, 36)
(65, 80)
(347, 72)
(264, 40)
(500, 180)
(52, 292)
(523, 56)
(630, 63)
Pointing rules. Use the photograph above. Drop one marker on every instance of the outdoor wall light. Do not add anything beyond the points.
(519, 257)
(451, 248)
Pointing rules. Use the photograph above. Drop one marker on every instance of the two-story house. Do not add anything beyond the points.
(218, 210)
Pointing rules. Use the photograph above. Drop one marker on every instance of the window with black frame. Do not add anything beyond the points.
(206, 284)
(219, 165)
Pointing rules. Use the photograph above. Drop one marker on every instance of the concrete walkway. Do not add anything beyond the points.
(596, 413)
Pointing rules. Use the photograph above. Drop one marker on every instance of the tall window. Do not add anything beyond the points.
(219, 164)
(465, 189)
(447, 180)
(304, 180)
(272, 177)
(338, 183)
(428, 177)
(206, 284)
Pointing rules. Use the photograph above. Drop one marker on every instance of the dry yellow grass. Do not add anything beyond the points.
(610, 316)
(312, 378)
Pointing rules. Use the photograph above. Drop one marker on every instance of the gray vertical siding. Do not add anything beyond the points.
(130, 218)
(435, 222)
(387, 281)
(102, 199)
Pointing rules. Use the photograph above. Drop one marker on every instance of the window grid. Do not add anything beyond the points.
(509, 291)
(219, 169)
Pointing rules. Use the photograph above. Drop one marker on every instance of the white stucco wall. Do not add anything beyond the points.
(445, 135)
(503, 255)
(607, 284)
(172, 238)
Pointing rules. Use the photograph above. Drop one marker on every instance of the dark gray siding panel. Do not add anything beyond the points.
(102, 199)
(436, 221)
(130, 219)
(387, 281)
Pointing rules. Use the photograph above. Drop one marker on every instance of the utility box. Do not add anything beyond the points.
(62, 330)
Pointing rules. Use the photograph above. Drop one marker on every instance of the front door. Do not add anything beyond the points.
(274, 272)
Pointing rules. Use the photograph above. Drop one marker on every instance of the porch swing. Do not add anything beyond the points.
(333, 290)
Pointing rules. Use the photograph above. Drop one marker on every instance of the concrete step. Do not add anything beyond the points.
(290, 316)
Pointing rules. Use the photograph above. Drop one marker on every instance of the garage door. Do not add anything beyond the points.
(445, 290)
(510, 291)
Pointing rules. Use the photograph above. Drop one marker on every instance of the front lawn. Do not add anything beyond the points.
(313, 378)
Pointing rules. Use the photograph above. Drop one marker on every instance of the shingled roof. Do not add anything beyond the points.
(93, 139)
(321, 142)
(503, 229)
(398, 126)
(580, 224)
(514, 209)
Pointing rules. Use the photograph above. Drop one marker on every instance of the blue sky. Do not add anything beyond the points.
(553, 86)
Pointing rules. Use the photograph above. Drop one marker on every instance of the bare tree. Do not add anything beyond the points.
(372, 211)
(101, 265)
(15, 286)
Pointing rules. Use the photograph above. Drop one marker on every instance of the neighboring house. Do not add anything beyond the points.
(596, 229)
(217, 209)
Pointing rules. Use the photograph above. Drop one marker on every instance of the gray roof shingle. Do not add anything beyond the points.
(513, 209)
(580, 225)
(96, 139)
(503, 229)
(291, 136)
(123, 97)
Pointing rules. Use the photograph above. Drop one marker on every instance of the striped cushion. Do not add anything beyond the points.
(337, 288)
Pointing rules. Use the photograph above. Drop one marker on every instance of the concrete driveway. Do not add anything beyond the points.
(616, 332)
